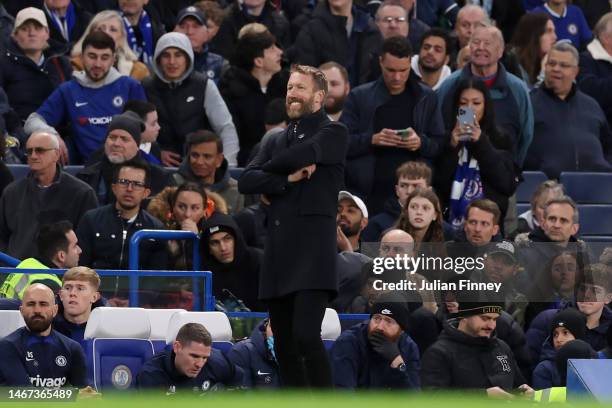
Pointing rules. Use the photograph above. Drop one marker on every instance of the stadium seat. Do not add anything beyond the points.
(522, 207)
(10, 320)
(595, 220)
(117, 345)
(18, 170)
(73, 170)
(216, 323)
(330, 328)
(159, 319)
(531, 179)
(588, 188)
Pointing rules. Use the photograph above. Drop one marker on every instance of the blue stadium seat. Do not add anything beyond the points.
(73, 170)
(330, 328)
(236, 172)
(18, 170)
(216, 323)
(116, 346)
(10, 320)
(595, 219)
(159, 319)
(522, 207)
(531, 179)
(588, 188)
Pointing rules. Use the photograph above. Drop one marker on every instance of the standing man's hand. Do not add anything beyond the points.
(412, 142)
(303, 173)
(386, 137)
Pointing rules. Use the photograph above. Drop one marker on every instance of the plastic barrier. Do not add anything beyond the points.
(589, 379)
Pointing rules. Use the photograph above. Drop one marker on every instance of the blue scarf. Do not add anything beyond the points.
(64, 24)
(144, 51)
(466, 188)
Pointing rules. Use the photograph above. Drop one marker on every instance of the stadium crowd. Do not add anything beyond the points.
(163, 105)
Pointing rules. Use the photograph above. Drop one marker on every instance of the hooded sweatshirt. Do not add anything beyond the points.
(241, 276)
(181, 102)
(89, 107)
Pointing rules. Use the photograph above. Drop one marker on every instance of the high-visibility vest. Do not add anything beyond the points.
(16, 283)
(553, 394)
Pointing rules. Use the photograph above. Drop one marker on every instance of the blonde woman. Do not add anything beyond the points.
(110, 22)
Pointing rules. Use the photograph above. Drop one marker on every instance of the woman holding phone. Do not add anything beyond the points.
(477, 160)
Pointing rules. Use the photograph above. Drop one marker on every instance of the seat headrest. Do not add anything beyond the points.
(117, 323)
(330, 327)
(10, 320)
(159, 319)
(216, 323)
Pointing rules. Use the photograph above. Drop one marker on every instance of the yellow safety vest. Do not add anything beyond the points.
(16, 283)
(553, 394)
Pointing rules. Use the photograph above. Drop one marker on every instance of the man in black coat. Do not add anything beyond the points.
(301, 171)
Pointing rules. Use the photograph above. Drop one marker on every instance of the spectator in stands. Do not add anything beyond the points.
(431, 63)
(533, 38)
(66, 21)
(513, 113)
(241, 13)
(533, 218)
(214, 16)
(454, 361)
(149, 149)
(430, 12)
(374, 114)
(567, 325)
(235, 266)
(575, 349)
(477, 162)
(57, 247)
(595, 75)
(27, 353)
(206, 164)
(253, 80)
(143, 29)
(410, 176)
(325, 38)
(393, 19)
(78, 297)
(29, 71)
(352, 218)
(191, 366)
(104, 233)
(338, 88)
(257, 358)
(569, 21)
(378, 353)
(6, 27)
(561, 143)
(126, 62)
(120, 146)
(185, 208)
(47, 188)
(186, 100)
(192, 22)
(469, 18)
(89, 100)
(593, 298)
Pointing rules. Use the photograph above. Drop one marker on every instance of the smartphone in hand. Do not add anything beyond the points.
(467, 120)
(403, 133)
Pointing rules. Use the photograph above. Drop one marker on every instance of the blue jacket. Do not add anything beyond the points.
(89, 107)
(382, 221)
(356, 365)
(209, 63)
(513, 111)
(252, 355)
(358, 116)
(546, 374)
(161, 373)
(572, 25)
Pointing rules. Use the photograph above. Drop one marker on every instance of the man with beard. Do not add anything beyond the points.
(338, 88)
(301, 171)
(89, 100)
(352, 218)
(36, 355)
(431, 65)
(378, 353)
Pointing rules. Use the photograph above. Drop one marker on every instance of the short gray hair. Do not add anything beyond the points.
(604, 25)
(486, 21)
(496, 33)
(51, 134)
(564, 200)
(566, 46)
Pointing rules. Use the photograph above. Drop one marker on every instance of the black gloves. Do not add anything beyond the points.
(383, 346)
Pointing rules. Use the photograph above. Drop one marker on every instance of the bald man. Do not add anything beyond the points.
(46, 195)
(36, 355)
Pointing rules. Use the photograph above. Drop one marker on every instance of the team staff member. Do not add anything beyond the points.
(36, 355)
(301, 171)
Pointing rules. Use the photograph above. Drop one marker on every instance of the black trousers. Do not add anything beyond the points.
(296, 323)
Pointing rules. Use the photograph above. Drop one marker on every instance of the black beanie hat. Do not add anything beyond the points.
(572, 320)
(395, 306)
(476, 303)
(572, 349)
(130, 122)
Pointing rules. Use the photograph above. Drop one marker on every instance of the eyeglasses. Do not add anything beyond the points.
(136, 185)
(38, 150)
(389, 20)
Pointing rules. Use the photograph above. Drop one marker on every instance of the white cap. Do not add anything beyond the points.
(358, 201)
(30, 13)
